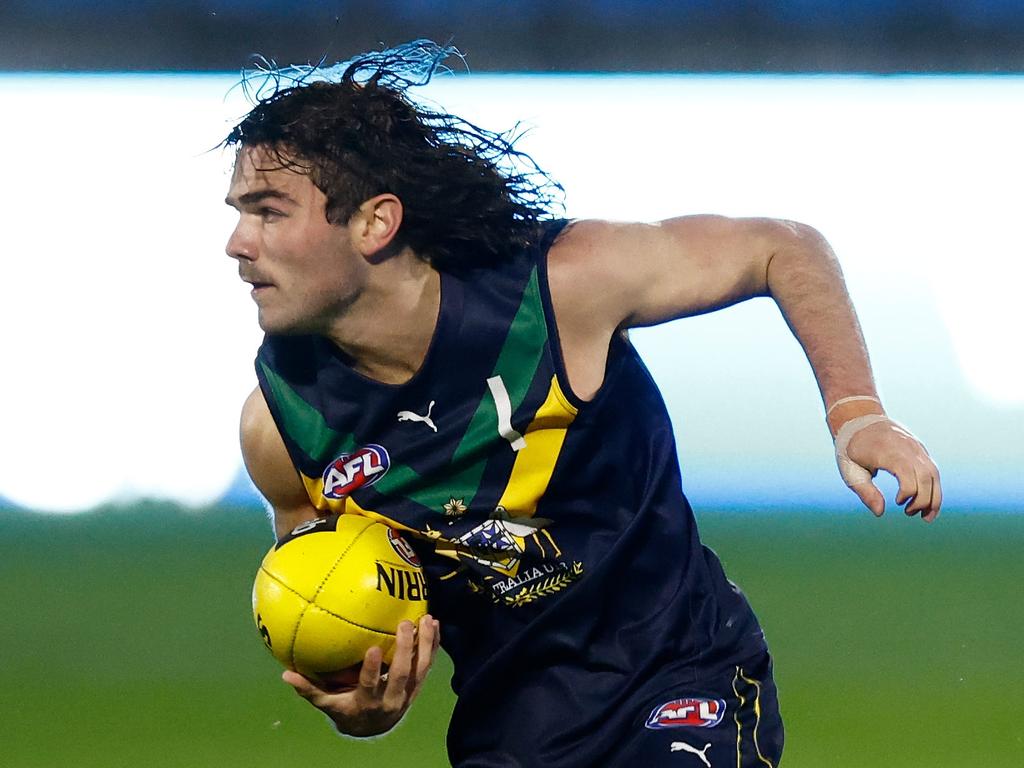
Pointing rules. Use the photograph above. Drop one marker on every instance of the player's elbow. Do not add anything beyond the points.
(790, 244)
(787, 234)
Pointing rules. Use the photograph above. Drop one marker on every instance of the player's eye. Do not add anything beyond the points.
(270, 214)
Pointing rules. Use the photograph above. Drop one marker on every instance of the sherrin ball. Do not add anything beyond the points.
(331, 589)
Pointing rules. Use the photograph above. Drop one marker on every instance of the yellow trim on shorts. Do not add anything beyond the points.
(757, 718)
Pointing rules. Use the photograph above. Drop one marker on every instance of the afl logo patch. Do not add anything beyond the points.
(693, 713)
(354, 470)
(403, 548)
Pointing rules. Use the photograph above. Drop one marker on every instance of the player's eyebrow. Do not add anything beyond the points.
(258, 196)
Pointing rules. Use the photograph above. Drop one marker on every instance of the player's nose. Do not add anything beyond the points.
(241, 244)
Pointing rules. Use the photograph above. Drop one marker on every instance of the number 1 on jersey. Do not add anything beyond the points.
(503, 405)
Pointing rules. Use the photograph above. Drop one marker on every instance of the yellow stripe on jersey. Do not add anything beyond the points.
(315, 491)
(346, 505)
(352, 507)
(535, 463)
(530, 475)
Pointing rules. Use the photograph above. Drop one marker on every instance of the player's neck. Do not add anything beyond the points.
(387, 330)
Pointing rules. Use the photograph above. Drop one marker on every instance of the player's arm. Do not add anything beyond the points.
(607, 276)
(271, 469)
(378, 700)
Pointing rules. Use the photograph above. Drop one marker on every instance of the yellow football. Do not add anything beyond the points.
(331, 589)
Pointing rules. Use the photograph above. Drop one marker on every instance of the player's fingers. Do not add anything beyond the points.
(933, 512)
(870, 496)
(920, 492)
(907, 478)
(923, 499)
(426, 647)
(427, 639)
(928, 475)
(369, 673)
(401, 666)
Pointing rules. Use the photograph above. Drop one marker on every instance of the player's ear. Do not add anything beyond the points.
(377, 222)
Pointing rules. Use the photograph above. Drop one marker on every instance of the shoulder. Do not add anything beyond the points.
(578, 259)
(585, 298)
(269, 465)
(592, 272)
(257, 431)
(263, 449)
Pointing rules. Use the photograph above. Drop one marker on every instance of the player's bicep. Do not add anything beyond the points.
(268, 464)
(650, 273)
(697, 264)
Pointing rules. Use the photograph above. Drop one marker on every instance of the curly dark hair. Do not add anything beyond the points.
(470, 198)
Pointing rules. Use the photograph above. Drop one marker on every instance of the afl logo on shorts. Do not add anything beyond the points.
(354, 470)
(403, 548)
(693, 713)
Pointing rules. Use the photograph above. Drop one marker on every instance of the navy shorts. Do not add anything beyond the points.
(731, 721)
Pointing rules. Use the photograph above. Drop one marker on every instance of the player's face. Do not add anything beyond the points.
(304, 271)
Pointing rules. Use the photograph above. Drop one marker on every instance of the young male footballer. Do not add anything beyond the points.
(445, 355)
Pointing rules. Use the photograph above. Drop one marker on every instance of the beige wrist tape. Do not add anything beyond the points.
(853, 474)
(851, 399)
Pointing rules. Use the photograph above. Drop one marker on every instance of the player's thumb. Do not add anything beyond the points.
(302, 686)
(856, 475)
(873, 499)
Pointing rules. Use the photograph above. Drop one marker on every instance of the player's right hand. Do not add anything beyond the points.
(884, 444)
(377, 701)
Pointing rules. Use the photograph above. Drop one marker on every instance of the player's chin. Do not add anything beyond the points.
(276, 324)
(266, 321)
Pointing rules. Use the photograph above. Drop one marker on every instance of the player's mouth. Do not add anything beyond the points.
(259, 287)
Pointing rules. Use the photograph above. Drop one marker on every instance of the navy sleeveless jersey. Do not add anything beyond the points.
(562, 557)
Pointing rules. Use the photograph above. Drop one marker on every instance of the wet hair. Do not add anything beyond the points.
(470, 198)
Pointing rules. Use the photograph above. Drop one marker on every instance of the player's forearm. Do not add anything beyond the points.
(805, 279)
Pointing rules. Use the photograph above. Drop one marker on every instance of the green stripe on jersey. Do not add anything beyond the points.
(517, 365)
(307, 428)
(304, 424)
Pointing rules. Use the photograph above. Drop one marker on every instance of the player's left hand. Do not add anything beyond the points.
(883, 444)
(377, 700)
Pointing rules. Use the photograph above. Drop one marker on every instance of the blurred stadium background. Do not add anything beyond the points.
(129, 534)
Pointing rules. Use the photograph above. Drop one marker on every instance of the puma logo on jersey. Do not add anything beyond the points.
(682, 746)
(410, 416)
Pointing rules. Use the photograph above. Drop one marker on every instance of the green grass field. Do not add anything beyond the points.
(126, 641)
